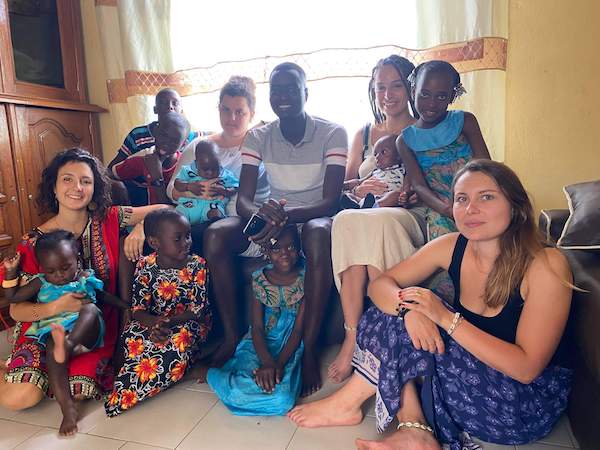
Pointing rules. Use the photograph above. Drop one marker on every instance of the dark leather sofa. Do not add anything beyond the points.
(584, 403)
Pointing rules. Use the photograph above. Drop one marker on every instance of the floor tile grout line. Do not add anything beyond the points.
(28, 437)
(292, 438)
(199, 420)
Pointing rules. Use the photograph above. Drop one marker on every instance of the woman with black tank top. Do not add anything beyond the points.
(492, 366)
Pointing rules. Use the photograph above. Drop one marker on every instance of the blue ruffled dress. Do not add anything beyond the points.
(234, 383)
(49, 292)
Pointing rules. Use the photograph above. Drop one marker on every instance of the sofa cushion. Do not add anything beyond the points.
(582, 230)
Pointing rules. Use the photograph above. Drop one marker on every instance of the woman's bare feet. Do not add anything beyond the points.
(59, 336)
(328, 412)
(341, 367)
(68, 427)
(403, 439)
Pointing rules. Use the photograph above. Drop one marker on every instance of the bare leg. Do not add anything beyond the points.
(353, 281)
(18, 396)
(340, 408)
(59, 349)
(405, 438)
(316, 243)
(222, 241)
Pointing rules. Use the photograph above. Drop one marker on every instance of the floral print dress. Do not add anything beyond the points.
(150, 368)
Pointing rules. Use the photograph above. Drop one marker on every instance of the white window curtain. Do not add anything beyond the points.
(196, 46)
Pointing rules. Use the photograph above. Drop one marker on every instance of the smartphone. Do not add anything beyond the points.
(254, 225)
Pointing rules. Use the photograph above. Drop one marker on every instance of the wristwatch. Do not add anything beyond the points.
(158, 182)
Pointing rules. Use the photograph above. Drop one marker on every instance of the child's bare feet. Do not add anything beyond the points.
(202, 373)
(59, 336)
(328, 412)
(341, 367)
(68, 427)
(403, 439)
(311, 377)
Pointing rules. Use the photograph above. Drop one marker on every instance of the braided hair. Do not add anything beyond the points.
(404, 68)
(438, 66)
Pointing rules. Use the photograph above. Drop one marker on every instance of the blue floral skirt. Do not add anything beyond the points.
(461, 396)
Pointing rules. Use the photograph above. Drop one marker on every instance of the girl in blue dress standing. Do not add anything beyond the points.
(263, 377)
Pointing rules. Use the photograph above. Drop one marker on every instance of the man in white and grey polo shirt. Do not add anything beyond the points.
(304, 158)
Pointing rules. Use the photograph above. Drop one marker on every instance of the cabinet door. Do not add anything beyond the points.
(10, 225)
(40, 134)
(42, 49)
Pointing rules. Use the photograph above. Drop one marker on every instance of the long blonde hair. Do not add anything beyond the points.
(520, 243)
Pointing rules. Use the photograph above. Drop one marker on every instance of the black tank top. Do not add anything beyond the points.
(504, 324)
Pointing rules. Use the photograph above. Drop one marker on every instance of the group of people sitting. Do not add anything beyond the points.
(465, 335)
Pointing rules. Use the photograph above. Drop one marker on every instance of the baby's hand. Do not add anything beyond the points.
(11, 264)
(196, 188)
(217, 189)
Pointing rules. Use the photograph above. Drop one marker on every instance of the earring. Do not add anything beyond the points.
(92, 206)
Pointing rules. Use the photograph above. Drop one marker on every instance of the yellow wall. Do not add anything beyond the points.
(553, 95)
(96, 78)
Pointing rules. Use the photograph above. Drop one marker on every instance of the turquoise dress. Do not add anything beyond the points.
(440, 151)
(49, 292)
(234, 383)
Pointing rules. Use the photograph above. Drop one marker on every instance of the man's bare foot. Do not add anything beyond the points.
(222, 355)
(68, 427)
(311, 376)
(328, 412)
(403, 439)
(59, 335)
(341, 367)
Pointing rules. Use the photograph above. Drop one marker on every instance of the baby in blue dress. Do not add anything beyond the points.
(211, 185)
(263, 376)
(57, 254)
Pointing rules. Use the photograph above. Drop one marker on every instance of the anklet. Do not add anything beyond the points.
(349, 328)
(415, 425)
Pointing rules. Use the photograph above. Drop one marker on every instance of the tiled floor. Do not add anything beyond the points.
(190, 417)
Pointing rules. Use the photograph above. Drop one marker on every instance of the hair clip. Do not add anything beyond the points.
(459, 90)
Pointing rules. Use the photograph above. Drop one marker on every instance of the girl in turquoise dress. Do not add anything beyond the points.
(263, 377)
(439, 144)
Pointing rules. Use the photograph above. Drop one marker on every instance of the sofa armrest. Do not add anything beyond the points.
(552, 222)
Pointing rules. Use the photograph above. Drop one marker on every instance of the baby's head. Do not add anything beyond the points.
(434, 85)
(167, 100)
(57, 253)
(168, 233)
(171, 132)
(207, 159)
(283, 254)
(385, 152)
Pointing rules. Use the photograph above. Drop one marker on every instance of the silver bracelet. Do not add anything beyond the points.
(455, 321)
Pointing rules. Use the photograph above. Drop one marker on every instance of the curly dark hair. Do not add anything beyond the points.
(46, 199)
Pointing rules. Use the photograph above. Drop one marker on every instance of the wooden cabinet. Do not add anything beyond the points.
(43, 105)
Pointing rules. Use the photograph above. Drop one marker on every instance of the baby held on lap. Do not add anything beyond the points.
(388, 176)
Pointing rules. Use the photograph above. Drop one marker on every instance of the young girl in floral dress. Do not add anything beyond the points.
(170, 318)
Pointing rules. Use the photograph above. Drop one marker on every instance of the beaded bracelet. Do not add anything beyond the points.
(10, 283)
(415, 425)
(455, 321)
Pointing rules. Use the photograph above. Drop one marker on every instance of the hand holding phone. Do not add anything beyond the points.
(254, 225)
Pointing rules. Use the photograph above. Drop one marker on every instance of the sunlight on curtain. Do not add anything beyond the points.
(234, 31)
